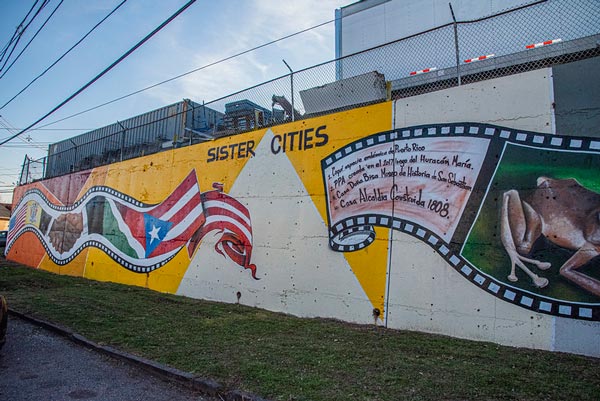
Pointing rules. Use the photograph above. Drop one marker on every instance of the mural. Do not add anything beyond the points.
(467, 229)
(139, 237)
(546, 217)
(443, 185)
(423, 180)
(564, 213)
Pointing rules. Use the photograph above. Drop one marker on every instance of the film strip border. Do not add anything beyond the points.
(352, 227)
(497, 288)
(99, 189)
(136, 268)
(535, 139)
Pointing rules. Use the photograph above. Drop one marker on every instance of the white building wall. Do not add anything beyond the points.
(396, 19)
(428, 38)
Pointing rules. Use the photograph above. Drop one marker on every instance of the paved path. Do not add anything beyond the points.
(38, 365)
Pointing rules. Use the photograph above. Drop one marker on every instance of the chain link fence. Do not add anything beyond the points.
(32, 170)
(537, 35)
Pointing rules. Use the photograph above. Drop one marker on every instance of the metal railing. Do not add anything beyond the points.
(507, 43)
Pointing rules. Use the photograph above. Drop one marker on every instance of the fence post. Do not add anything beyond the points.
(122, 138)
(28, 167)
(292, 89)
(72, 169)
(193, 123)
(456, 44)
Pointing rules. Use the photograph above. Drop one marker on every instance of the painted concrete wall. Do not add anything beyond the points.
(441, 309)
(577, 101)
(412, 210)
(498, 101)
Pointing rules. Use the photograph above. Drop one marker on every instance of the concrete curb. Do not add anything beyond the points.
(204, 386)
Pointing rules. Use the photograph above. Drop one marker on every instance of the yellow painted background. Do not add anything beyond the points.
(152, 178)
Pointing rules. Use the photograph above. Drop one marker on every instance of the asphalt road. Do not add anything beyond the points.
(36, 364)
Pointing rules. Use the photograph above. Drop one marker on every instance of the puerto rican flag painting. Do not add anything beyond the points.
(140, 237)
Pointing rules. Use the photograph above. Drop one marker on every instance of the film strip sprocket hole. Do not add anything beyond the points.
(351, 236)
(358, 232)
(468, 129)
(134, 267)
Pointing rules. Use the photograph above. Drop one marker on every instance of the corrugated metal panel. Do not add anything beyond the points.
(135, 136)
(361, 89)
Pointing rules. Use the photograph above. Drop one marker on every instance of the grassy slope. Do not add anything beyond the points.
(287, 358)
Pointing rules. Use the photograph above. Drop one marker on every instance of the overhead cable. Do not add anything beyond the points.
(64, 54)
(50, 129)
(31, 40)
(17, 31)
(106, 70)
(186, 73)
(16, 42)
(8, 126)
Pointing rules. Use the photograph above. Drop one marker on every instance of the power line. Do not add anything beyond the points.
(186, 73)
(7, 125)
(107, 69)
(24, 146)
(17, 30)
(50, 129)
(16, 42)
(15, 172)
(64, 54)
(32, 38)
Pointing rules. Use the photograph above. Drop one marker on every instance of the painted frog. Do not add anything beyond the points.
(564, 212)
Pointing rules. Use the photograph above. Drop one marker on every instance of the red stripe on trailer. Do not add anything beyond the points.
(545, 43)
(423, 71)
(470, 60)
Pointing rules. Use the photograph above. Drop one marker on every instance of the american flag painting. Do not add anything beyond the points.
(232, 220)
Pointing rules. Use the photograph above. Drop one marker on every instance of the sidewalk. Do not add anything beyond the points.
(63, 355)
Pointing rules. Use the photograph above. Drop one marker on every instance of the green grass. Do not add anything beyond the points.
(286, 358)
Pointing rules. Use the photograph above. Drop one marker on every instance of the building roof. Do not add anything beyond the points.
(4, 211)
(360, 6)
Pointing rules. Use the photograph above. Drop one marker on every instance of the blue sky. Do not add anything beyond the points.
(206, 32)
